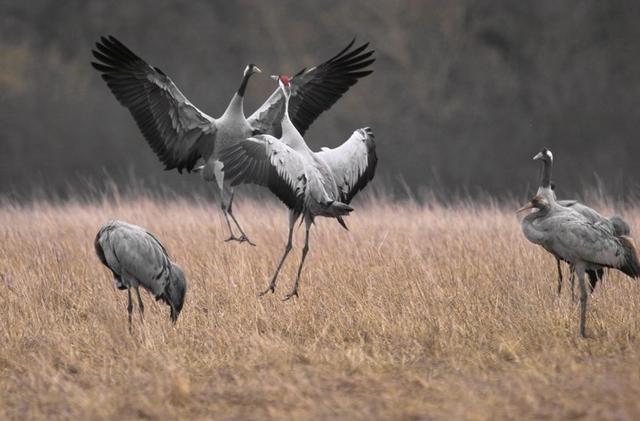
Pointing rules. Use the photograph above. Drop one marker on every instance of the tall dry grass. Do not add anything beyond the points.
(426, 312)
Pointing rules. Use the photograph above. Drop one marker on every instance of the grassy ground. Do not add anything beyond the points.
(414, 313)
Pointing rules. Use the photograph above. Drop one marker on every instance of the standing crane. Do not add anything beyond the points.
(181, 135)
(137, 259)
(615, 224)
(310, 183)
(583, 244)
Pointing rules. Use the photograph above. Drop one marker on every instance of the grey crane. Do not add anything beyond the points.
(310, 183)
(615, 224)
(584, 244)
(181, 135)
(547, 188)
(137, 259)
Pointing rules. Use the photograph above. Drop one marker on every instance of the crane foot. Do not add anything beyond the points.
(293, 293)
(240, 239)
(271, 288)
(244, 238)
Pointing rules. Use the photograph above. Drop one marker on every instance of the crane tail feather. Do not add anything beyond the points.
(341, 221)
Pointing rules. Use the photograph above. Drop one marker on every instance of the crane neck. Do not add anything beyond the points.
(243, 84)
(531, 217)
(545, 189)
(286, 121)
(236, 106)
(540, 213)
(545, 178)
(290, 134)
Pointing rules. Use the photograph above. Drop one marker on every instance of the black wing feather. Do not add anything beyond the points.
(315, 90)
(331, 80)
(177, 131)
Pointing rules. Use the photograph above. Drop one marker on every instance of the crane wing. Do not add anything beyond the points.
(591, 214)
(596, 244)
(353, 164)
(567, 203)
(177, 131)
(266, 161)
(314, 91)
(614, 224)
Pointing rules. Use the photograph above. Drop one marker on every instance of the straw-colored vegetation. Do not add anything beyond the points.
(416, 312)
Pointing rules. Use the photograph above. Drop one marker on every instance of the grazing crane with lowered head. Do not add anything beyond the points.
(137, 259)
(311, 184)
(585, 245)
(181, 135)
(615, 224)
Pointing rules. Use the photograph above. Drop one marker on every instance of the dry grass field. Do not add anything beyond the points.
(416, 312)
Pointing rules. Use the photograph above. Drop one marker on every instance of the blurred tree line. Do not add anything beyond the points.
(464, 92)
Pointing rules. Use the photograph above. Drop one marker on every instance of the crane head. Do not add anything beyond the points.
(175, 291)
(282, 80)
(251, 69)
(538, 202)
(283, 83)
(545, 154)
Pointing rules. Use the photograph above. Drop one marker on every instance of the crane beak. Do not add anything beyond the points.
(257, 69)
(525, 207)
(538, 156)
(274, 77)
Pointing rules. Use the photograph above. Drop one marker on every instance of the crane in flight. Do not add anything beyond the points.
(310, 184)
(182, 135)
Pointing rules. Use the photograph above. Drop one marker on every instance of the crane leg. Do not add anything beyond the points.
(173, 313)
(594, 277)
(226, 219)
(129, 308)
(243, 237)
(224, 203)
(225, 211)
(559, 276)
(140, 305)
(584, 295)
(305, 250)
(572, 279)
(293, 217)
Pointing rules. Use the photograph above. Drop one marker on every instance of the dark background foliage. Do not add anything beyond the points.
(464, 92)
